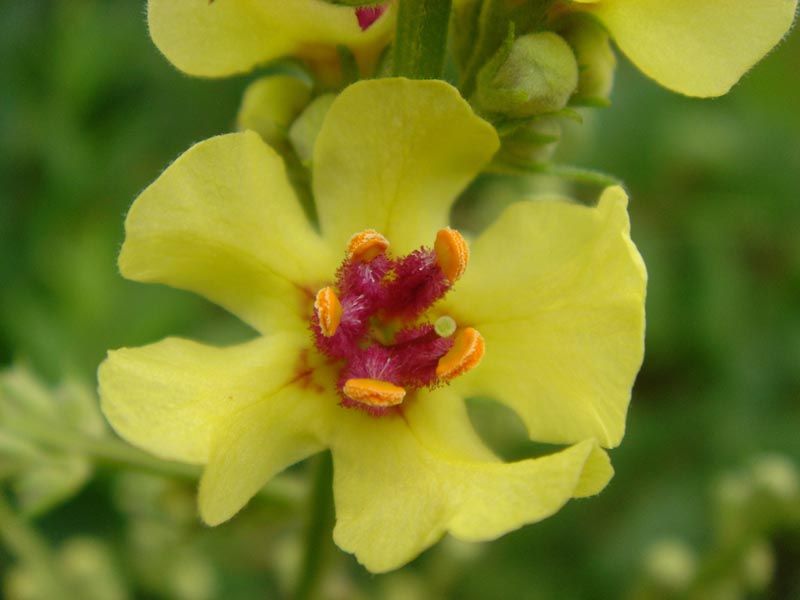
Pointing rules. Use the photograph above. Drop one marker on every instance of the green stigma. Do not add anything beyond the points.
(445, 326)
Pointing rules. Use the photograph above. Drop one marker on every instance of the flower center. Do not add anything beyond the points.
(373, 321)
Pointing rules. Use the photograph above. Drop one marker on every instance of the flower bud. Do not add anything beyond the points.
(22, 583)
(270, 104)
(758, 566)
(531, 143)
(596, 60)
(87, 564)
(303, 132)
(191, 576)
(671, 563)
(776, 475)
(535, 74)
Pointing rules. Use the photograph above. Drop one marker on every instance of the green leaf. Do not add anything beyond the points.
(568, 172)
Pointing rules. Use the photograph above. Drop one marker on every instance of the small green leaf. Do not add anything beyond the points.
(568, 172)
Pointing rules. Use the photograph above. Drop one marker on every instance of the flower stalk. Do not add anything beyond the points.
(421, 38)
(320, 523)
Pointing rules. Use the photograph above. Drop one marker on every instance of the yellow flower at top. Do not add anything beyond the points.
(375, 327)
(696, 47)
(215, 38)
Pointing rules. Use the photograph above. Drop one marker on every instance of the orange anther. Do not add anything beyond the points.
(374, 392)
(452, 253)
(467, 351)
(366, 245)
(329, 310)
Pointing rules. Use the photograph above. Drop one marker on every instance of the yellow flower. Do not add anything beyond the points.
(554, 289)
(696, 47)
(222, 37)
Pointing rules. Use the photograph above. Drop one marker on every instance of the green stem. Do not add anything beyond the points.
(112, 451)
(28, 546)
(421, 38)
(318, 532)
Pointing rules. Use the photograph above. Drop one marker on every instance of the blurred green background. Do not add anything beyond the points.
(90, 113)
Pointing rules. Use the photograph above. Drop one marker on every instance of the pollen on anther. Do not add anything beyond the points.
(329, 311)
(465, 354)
(452, 253)
(366, 245)
(374, 392)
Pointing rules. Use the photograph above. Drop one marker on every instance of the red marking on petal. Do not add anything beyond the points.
(367, 15)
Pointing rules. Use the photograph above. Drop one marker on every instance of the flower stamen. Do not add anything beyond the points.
(366, 245)
(452, 253)
(374, 392)
(466, 353)
(374, 321)
(329, 311)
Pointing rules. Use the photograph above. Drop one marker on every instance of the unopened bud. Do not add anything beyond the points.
(270, 104)
(87, 564)
(596, 60)
(191, 575)
(758, 566)
(535, 74)
(671, 563)
(777, 475)
(303, 132)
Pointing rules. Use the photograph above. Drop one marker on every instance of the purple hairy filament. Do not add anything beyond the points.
(373, 321)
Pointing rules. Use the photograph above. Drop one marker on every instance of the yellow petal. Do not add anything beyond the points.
(400, 484)
(557, 291)
(224, 37)
(168, 397)
(223, 221)
(696, 47)
(392, 155)
(258, 442)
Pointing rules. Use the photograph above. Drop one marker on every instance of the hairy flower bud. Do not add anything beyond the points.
(270, 104)
(596, 60)
(535, 74)
(303, 132)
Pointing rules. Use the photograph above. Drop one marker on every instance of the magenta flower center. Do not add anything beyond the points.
(373, 321)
